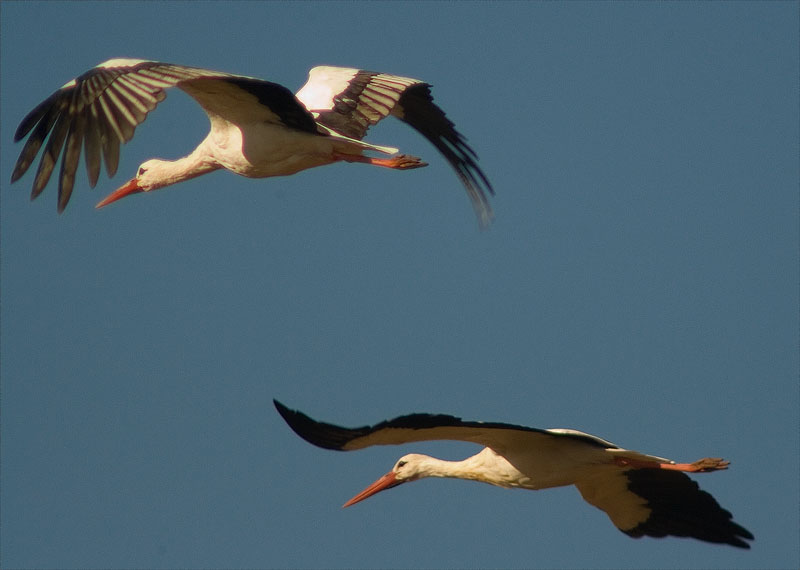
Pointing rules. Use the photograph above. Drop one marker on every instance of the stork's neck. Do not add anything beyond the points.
(162, 173)
(486, 466)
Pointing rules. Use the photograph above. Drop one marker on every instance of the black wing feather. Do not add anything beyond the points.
(421, 113)
(280, 101)
(330, 436)
(92, 144)
(69, 162)
(50, 155)
(681, 508)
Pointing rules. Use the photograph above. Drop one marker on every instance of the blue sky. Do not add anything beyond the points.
(640, 283)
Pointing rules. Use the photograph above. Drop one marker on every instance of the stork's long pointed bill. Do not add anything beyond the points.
(386, 482)
(130, 187)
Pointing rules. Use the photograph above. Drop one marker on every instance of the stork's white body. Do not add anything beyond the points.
(261, 150)
(256, 144)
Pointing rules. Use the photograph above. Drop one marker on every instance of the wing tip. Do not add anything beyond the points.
(282, 409)
(326, 436)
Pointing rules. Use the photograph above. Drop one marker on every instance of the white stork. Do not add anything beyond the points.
(258, 128)
(643, 495)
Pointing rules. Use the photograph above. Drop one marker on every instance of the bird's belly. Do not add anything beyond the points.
(558, 464)
(271, 150)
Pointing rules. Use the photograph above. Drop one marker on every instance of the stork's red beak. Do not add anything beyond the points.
(130, 187)
(386, 482)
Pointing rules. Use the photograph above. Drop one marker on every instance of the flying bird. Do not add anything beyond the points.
(258, 128)
(642, 494)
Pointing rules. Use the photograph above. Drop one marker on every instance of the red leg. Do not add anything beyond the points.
(699, 466)
(399, 162)
(705, 464)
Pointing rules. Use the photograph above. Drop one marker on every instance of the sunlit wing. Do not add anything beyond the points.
(427, 427)
(101, 109)
(349, 101)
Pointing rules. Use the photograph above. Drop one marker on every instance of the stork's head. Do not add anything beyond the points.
(152, 175)
(408, 468)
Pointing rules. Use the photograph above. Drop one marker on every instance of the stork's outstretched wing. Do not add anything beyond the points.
(426, 427)
(349, 101)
